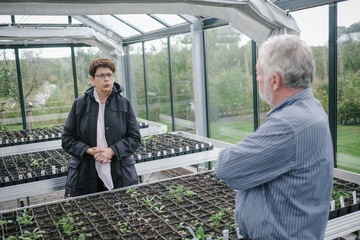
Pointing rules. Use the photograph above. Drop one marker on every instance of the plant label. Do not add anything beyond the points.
(342, 203)
(332, 205)
(354, 197)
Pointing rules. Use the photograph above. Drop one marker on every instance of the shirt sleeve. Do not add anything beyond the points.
(259, 158)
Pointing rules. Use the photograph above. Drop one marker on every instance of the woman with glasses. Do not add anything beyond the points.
(101, 133)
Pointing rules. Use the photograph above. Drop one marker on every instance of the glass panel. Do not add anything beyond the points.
(348, 109)
(83, 58)
(5, 19)
(170, 19)
(315, 33)
(40, 19)
(230, 84)
(183, 83)
(137, 84)
(75, 21)
(157, 67)
(47, 87)
(115, 25)
(10, 111)
(141, 21)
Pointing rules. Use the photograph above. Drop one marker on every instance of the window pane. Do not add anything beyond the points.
(115, 25)
(170, 19)
(83, 58)
(348, 102)
(136, 81)
(5, 19)
(230, 84)
(315, 33)
(141, 21)
(182, 76)
(10, 111)
(47, 87)
(157, 72)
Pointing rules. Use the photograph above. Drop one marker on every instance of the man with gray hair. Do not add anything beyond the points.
(283, 172)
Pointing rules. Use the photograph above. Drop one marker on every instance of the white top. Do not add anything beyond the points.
(103, 169)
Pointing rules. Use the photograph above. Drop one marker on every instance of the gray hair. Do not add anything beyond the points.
(290, 57)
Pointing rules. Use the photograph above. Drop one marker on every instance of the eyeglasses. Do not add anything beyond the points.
(104, 75)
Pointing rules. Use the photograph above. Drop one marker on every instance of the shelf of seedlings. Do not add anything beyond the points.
(344, 217)
(50, 138)
(174, 208)
(37, 172)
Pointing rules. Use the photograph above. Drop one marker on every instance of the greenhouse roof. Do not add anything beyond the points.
(108, 24)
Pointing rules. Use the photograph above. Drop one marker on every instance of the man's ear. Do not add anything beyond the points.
(276, 82)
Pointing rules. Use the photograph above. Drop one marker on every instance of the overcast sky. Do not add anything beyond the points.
(314, 25)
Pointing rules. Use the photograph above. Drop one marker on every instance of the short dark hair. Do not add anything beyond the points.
(101, 62)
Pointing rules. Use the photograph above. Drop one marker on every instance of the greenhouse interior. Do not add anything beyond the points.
(188, 68)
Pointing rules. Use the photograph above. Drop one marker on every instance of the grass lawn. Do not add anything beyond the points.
(348, 148)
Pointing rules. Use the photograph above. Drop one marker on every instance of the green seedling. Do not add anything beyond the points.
(5, 223)
(25, 218)
(32, 235)
(123, 227)
(67, 225)
(199, 235)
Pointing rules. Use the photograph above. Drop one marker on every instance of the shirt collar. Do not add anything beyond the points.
(302, 95)
(96, 96)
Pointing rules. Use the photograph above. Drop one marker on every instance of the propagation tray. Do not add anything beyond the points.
(58, 183)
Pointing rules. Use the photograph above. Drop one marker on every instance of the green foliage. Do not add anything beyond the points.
(176, 192)
(150, 202)
(350, 56)
(7, 76)
(5, 223)
(32, 235)
(216, 218)
(124, 227)
(25, 218)
(320, 54)
(67, 225)
(132, 191)
(199, 234)
(349, 99)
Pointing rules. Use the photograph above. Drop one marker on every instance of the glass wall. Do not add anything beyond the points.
(83, 58)
(182, 83)
(348, 79)
(158, 86)
(348, 101)
(136, 80)
(229, 73)
(47, 85)
(10, 111)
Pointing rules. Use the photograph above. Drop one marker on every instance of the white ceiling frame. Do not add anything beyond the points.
(258, 19)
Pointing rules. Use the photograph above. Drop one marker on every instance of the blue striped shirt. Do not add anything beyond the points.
(283, 173)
